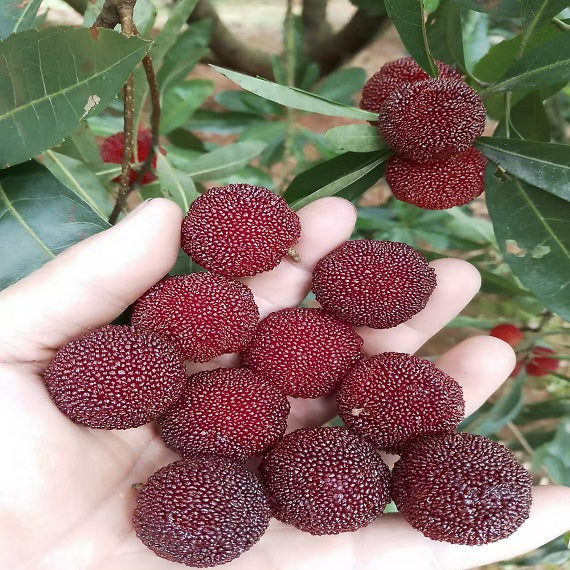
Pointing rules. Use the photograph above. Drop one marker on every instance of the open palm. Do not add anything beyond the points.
(66, 492)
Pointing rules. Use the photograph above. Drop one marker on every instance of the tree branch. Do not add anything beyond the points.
(315, 25)
(108, 17)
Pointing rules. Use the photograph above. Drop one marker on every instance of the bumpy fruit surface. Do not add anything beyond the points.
(116, 377)
(393, 75)
(509, 333)
(461, 488)
(239, 230)
(226, 412)
(440, 184)
(303, 352)
(201, 512)
(432, 120)
(393, 398)
(379, 284)
(542, 362)
(207, 314)
(325, 480)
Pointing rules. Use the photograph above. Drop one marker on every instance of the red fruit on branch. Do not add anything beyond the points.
(509, 333)
(542, 365)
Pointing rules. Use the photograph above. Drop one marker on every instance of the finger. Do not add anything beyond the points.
(325, 224)
(457, 283)
(89, 284)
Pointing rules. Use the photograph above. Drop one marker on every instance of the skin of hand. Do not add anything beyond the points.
(66, 491)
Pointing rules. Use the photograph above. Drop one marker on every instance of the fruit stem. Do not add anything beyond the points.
(293, 254)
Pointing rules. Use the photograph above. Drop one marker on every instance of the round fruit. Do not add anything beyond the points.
(227, 412)
(325, 480)
(206, 314)
(116, 377)
(461, 488)
(239, 230)
(542, 365)
(201, 512)
(432, 120)
(509, 333)
(303, 352)
(393, 398)
(438, 185)
(379, 284)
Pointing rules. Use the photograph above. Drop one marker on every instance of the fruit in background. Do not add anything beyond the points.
(432, 119)
(392, 398)
(461, 488)
(440, 184)
(116, 377)
(239, 230)
(541, 363)
(379, 284)
(226, 412)
(325, 480)
(509, 333)
(201, 512)
(303, 352)
(206, 314)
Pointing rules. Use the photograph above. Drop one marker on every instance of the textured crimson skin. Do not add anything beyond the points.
(239, 230)
(509, 333)
(393, 398)
(201, 512)
(116, 377)
(542, 366)
(438, 185)
(379, 284)
(207, 314)
(393, 75)
(112, 151)
(304, 352)
(227, 412)
(325, 480)
(432, 119)
(461, 488)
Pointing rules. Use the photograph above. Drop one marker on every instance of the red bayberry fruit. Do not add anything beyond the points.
(227, 412)
(393, 398)
(379, 284)
(516, 369)
(432, 120)
(325, 480)
(440, 184)
(207, 314)
(239, 230)
(542, 365)
(112, 151)
(201, 512)
(393, 75)
(461, 488)
(116, 377)
(509, 333)
(303, 352)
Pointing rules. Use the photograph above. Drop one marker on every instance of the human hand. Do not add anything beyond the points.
(66, 495)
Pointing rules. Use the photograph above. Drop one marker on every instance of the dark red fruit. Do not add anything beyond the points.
(227, 412)
(239, 230)
(112, 151)
(325, 480)
(461, 488)
(207, 314)
(438, 185)
(393, 398)
(432, 120)
(393, 75)
(540, 365)
(304, 353)
(201, 512)
(379, 284)
(509, 333)
(516, 369)
(116, 377)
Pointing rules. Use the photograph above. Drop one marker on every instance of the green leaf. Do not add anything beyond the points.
(39, 218)
(295, 98)
(91, 12)
(342, 85)
(144, 16)
(179, 185)
(537, 12)
(545, 165)
(55, 78)
(554, 456)
(553, 408)
(181, 101)
(475, 38)
(528, 120)
(444, 33)
(246, 102)
(82, 146)
(222, 123)
(509, 8)
(356, 138)
(533, 233)
(17, 16)
(408, 17)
